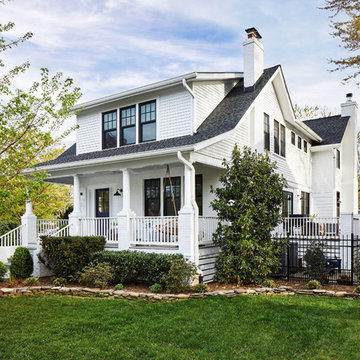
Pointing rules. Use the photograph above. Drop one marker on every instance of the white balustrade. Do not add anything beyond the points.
(13, 238)
(107, 227)
(154, 230)
(50, 226)
(63, 231)
(207, 227)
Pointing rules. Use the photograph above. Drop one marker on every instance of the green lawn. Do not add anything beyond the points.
(246, 327)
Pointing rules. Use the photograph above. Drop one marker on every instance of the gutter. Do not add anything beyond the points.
(194, 205)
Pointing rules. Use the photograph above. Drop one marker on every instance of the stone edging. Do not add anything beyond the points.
(120, 294)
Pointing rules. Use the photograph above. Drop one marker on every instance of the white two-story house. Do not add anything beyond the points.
(144, 159)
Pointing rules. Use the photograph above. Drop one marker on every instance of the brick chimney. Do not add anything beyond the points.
(253, 58)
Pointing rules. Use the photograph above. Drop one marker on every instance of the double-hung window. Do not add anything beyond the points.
(109, 128)
(266, 132)
(276, 137)
(282, 140)
(147, 121)
(128, 125)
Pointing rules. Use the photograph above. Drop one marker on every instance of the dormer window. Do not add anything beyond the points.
(109, 127)
(128, 125)
(147, 121)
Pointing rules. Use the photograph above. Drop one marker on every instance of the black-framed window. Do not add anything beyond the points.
(299, 142)
(199, 192)
(305, 146)
(147, 130)
(172, 196)
(152, 197)
(276, 137)
(338, 159)
(287, 203)
(293, 138)
(282, 140)
(266, 132)
(128, 125)
(109, 128)
(338, 202)
(305, 203)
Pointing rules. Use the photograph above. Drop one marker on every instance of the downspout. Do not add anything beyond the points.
(194, 205)
(187, 87)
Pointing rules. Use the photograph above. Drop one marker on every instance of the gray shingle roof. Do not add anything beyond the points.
(331, 128)
(224, 118)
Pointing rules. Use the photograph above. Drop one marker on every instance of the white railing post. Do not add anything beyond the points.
(28, 220)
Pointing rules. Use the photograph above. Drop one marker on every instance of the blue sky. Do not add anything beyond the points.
(112, 45)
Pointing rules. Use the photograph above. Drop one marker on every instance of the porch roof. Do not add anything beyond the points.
(228, 113)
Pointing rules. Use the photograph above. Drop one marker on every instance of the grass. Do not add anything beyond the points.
(246, 327)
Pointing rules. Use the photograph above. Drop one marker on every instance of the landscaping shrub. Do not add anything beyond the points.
(357, 290)
(201, 288)
(268, 283)
(31, 281)
(119, 286)
(180, 275)
(316, 262)
(21, 263)
(58, 281)
(68, 255)
(136, 266)
(97, 275)
(156, 288)
(6, 226)
(313, 284)
(3, 270)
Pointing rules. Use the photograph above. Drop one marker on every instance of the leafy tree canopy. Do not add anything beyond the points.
(308, 112)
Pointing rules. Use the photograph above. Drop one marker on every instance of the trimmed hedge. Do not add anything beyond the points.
(68, 255)
(21, 263)
(136, 266)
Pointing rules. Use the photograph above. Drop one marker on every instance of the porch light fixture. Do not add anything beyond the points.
(118, 192)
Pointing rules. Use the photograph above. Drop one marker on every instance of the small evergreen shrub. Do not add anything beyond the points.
(119, 286)
(357, 290)
(68, 255)
(313, 284)
(316, 262)
(201, 288)
(156, 288)
(180, 275)
(21, 263)
(97, 275)
(3, 270)
(269, 283)
(58, 281)
(31, 281)
(135, 266)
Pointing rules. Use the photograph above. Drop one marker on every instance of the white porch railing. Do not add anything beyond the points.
(107, 227)
(154, 230)
(309, 226)
(64, 231)
(12, 238)
(50, 226)
(207, 227)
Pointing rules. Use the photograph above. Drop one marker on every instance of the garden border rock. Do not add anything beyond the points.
(151, 297)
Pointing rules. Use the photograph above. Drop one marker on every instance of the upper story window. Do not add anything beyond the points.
(299, 142)
(276, 137)
(128, 125)
(266, 132)
(147, 121)
(305, 146)
(282, 140)
(338, 159)
(293, 138)
(109, 128)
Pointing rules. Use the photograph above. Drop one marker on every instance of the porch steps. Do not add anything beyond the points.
(207, 262)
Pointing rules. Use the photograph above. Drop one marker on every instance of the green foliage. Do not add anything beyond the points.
(248, 205)
(180, 275)
(316, 262)
(58, 281)
(136, 266)
(21, 263)
(119, 286)
(156, 288)
(3, 270)
(313, 284)
(31, 281)
(357, 290)
(97, 275)
(310, 112)
(68, 255)
(201, 288)
(269, 283)
(6, 226)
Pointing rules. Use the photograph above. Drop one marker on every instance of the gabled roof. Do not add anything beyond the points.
(223, 119)
(331, 128)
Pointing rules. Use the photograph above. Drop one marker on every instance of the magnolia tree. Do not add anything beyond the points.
(248, 205)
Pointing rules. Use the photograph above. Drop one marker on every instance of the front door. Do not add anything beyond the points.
(102, 202)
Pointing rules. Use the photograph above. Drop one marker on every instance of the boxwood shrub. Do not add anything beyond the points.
(68, 255)
(21, 263)
(136, 266)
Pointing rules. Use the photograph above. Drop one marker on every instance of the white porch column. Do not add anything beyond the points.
(74, 217)
(29, 233)
(346, 229)
(125, 214)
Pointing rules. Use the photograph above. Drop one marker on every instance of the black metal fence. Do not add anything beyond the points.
(329, 260)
